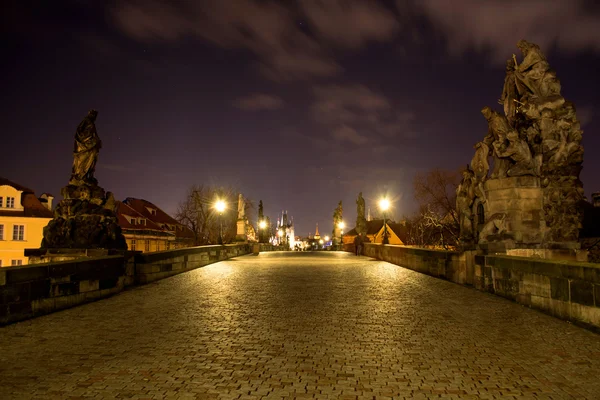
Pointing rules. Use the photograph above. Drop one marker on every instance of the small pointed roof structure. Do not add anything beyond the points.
(317, 236)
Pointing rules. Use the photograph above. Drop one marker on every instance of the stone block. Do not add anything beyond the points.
(61, 270)
(2, 278)
(108, 283)
(582, 292)
(43, 306)
(88, 285)
(39, 289)
(597, 295)
(559, 289)
(23, 309)
(586, 314)
(14, 293)
(26, 274)
(64, 289)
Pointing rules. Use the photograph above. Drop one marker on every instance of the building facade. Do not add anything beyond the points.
(23, 217)
(147, 228)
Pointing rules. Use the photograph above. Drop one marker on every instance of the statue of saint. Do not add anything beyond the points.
(498, 128)
(241, 207)
(361, 222)
(465, 196)
(519, 152)
(360, 205)
(86, 149)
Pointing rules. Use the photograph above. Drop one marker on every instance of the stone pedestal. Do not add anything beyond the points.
(514, 216)
(85, 219)
(241, 231)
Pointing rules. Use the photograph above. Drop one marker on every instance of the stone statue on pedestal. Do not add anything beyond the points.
(86, 217)
(241, 207)
(361, 222)
(532, 191)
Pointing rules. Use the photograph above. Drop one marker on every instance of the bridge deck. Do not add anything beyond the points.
(308, 325)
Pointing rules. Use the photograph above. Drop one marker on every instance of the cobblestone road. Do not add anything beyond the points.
(290, 325)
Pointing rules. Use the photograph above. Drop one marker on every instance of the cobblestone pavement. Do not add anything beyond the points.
(299, 325)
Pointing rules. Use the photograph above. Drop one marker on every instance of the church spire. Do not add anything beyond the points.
(317, 236)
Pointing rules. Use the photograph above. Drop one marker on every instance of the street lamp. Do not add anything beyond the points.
(280, 234)
(261, 234)
(384, 204)
(220, 207)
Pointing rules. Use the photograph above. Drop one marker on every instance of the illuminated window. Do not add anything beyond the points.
(147, 245)
(16, 262)
(1, 232)
(1, 201)
(18, 232)
(132, 244)
(133, 221)
(10, 202)
(158, 245)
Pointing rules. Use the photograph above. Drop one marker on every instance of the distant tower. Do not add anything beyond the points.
(317, 236)
(369, 214)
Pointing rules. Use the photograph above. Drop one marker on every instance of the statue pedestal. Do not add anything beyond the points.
(241, 231)
(514, 214)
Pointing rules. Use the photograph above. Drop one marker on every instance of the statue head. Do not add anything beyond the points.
(523, 45)
(510, 65)
(512, 136)
(92, 114)
(487, 112)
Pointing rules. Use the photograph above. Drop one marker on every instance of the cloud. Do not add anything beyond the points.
(282, 35)
(357, 114)
(259, 101)
(497, 25)
(350, 23)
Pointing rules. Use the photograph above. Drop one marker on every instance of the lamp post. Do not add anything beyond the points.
(341, 225)
(220, 207)
(384, 204)
(261, 234)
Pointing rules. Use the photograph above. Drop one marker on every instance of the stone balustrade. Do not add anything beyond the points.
(36, 289)
(569, 290)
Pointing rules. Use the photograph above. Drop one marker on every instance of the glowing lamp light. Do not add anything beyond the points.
(262, 224)
(384, 204)
(341, 225)
(220, 206)
(280, 233)
(321, 241)
(327, 238)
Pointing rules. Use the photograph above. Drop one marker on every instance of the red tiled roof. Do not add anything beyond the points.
(32, 207)
(374, 226)
(161, 218)
(125, 210)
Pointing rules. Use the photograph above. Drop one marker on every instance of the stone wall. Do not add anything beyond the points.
(442, 264)
(36, 289)
(568, 290)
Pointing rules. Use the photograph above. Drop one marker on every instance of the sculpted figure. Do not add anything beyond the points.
(241, 207)
(498, 128)
(361, 222)
(465, 196)
(509, 92)
(85, 152)
(495, 226)
(530, 72)
(480, 167)
(518, 151)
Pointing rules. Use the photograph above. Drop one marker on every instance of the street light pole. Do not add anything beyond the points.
(384, 204)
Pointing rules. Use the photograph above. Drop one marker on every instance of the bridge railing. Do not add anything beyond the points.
(31, 290)
(568, 290)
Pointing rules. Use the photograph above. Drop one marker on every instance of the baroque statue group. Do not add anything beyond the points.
(537, 135)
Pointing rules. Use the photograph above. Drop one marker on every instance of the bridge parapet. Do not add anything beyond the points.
(566, 289)
(36, 289)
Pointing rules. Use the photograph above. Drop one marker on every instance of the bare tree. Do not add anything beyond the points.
(436, 223)
(197, 211)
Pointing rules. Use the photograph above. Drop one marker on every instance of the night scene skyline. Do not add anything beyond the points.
(298, 104)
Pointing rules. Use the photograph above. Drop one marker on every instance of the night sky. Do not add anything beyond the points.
(298, 103)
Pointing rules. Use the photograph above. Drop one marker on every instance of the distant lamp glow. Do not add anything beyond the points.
(321, 241)
(262, 224)
(280, 233)
(384, 204)
(341, 225)
(327, 238)
(220, 206)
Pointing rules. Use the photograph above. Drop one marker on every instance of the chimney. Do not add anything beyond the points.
(48, 203)
(596, 199)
